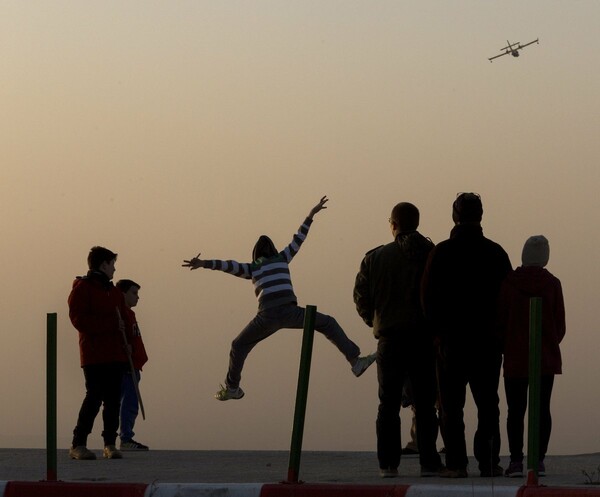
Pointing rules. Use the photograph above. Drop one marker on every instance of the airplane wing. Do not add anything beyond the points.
(496, 56)
(530, 43)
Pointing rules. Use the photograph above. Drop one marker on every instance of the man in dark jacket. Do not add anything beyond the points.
(98, 312)
(387, 297)
(460, 289)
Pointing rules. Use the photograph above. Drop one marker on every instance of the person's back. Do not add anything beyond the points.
(394, 285)
(464, 276)
(518, 288)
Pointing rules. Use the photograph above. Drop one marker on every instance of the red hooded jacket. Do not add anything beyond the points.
(94, 308)
(513, 313)
(138, 351)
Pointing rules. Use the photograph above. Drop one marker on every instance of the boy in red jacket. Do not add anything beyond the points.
(95, 310)
(530, 280)
(129, 400)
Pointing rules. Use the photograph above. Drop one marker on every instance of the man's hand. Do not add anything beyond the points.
(320, 206)
(193, 263)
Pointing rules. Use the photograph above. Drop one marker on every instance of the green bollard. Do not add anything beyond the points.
(535, 362)
(302, 393)
(51, 397)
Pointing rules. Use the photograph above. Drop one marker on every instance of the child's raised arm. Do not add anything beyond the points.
(320, 206)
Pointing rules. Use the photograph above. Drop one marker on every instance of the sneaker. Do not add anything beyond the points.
(81, 452)
(388, 472)
(127, 445)
(514, 470)
(409, 451)
(111, 452)
(491, 472)
(227, 393)
(362, 363)
(453, 473)
(431, 471)
(541, 469)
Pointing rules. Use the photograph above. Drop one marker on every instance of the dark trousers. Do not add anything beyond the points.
(400, 357)
(480, 369)
(516, 398)
(102, 387)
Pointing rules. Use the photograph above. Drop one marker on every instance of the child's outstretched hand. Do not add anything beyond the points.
(193, 263)
(320, 206)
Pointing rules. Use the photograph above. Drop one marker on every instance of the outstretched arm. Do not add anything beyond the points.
(320, 206)
(194, 263)
(241, 270)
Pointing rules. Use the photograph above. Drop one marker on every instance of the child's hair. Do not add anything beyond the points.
(98, 255)
(125, 285)
(264, 247)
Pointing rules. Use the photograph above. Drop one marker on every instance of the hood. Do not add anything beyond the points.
(95, 276)
(529, 279)
(414, 245)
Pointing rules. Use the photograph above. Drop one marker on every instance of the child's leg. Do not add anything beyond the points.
(292, 316)
(516, 400)
(547, 382)
(329, 327)
(261, 327)
(129, 406)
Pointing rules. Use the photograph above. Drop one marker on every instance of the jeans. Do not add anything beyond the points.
(272, 320)
(103, 387)
(402, 356)
(516, 398)
(129, 405)
(480, 369)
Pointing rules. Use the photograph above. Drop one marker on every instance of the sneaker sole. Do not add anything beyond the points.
(230, 398)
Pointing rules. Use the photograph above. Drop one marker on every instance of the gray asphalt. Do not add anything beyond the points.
(197, 466)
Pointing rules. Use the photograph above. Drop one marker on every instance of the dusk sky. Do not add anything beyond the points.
(163, 129)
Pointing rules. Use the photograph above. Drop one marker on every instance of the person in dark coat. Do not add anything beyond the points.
(460, 290)
(527, 281)
(387, 297)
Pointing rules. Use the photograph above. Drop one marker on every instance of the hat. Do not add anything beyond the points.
(536, 251)
(467, 208)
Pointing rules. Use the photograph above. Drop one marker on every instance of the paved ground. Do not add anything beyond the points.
(176, 466)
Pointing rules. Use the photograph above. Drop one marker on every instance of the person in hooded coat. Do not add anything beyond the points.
(527, 281)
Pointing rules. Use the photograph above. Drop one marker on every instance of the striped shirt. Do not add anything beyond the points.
(270, 276)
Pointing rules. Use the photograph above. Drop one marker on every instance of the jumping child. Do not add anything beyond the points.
(277, 305)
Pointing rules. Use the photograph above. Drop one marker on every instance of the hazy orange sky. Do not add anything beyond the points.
(161, 129)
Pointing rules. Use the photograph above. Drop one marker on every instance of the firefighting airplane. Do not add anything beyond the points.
(513, 49)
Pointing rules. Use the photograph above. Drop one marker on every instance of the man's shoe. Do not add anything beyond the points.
(111, 452)
(81, 453)
(453, 473)
(514, 470)
(362, 363)
(131, 445)
(431, 471)
(227, 393)
(541, 469)
(388, 472)
(491, 472)
(409, 451)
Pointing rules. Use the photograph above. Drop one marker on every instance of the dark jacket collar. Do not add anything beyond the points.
(467, 230)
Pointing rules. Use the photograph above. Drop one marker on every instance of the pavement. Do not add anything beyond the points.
(264, 473)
